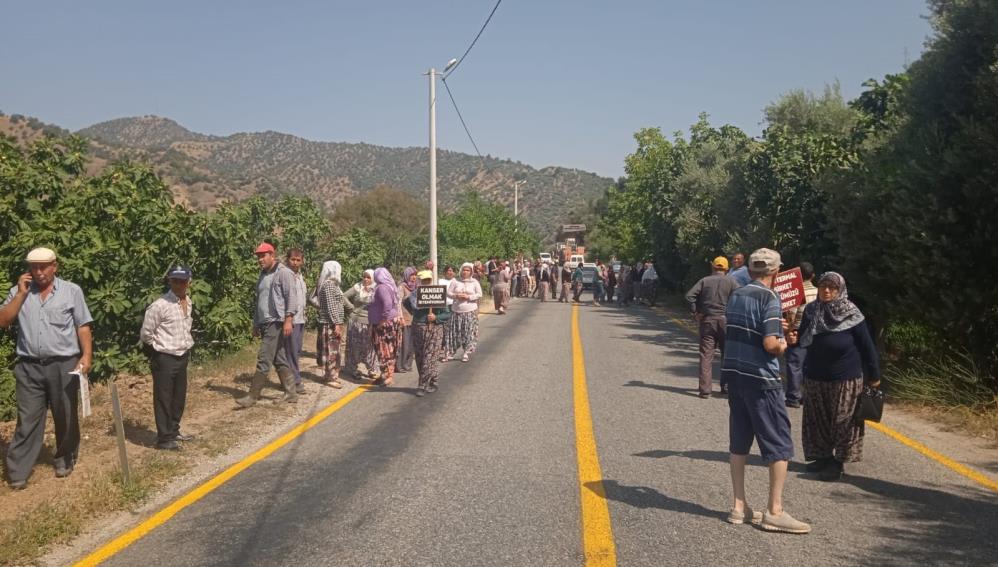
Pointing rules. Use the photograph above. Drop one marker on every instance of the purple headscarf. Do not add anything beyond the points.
(407, 278)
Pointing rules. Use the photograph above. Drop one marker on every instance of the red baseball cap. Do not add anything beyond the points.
(263, 248)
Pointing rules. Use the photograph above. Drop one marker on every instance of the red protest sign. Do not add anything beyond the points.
(790, 287)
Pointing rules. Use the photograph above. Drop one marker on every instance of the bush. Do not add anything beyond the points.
(117, 232)
(948, 380)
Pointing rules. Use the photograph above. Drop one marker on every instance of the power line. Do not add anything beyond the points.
(458, 110)
(489, 19)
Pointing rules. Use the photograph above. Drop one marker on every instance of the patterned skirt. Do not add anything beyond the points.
(500, 296)
(387, 341)
(427, 341)
(360, 349)
(330, 352)
(449, 339)
(465, 331)
(827, 428)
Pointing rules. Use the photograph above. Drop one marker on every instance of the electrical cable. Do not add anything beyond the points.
(463, 123)
(489, 19)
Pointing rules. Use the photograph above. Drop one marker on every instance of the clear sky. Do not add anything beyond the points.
(550, 82)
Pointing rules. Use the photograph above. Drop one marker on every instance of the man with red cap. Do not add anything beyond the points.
(277, 303)
(54, 346)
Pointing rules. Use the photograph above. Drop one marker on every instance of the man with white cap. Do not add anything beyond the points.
(166, 329)
(53, 342)
(277, 303)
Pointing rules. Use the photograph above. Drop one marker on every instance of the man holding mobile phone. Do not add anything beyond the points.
(53, 341)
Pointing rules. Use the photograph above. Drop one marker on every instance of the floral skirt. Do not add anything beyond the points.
(449, 339)
(360, 349)
(465, 331)
(827, 428)
(330, 353)
(427, 342)
(387, 341)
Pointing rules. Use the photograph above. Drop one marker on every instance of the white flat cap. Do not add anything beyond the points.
(41, 256)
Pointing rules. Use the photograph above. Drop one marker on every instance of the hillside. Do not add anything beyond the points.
(207, 170)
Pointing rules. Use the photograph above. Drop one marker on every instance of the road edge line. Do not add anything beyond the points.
(119, 543)
(597, 530)
(947, 462)
(955, 466)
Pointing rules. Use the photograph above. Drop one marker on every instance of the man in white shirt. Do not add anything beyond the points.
(166, 330)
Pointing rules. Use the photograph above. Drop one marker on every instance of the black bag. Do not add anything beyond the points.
(870, 406)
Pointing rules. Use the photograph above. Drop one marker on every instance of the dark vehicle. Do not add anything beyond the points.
(588, 275)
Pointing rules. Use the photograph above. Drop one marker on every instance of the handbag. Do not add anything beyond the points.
(870, 406)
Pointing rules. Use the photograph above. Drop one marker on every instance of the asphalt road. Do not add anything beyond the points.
(484, 472)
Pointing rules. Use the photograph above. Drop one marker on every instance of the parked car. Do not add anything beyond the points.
(575, 259)
(589, 271)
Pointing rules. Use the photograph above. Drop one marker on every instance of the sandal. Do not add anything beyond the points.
(335, 384)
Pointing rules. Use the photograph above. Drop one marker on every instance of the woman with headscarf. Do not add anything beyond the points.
(427, 337)
(406, 287)
(465, 291)
(447, 349)
(385, 317)
(841, 356)
(333, 309)
(500, 288)
(360, 351)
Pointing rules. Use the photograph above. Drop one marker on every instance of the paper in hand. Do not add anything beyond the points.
(84, 391)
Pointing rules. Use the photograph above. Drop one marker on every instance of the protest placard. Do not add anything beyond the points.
(431, 296)
(790, 287)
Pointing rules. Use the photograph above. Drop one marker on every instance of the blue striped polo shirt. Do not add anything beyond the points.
(753, 312)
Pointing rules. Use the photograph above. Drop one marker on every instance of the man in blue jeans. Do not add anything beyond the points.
(754, 339)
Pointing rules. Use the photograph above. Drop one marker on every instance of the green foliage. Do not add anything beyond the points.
(117, 232)
(356, 250)
(897, 189)
(947, 380)
(479, 229)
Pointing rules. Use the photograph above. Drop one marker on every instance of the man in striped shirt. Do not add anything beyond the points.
(754, 340)
(166, 330)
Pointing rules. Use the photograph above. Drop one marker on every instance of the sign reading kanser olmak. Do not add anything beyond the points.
(431, 296)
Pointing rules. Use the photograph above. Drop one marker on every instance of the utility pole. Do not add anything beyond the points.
(433, 170)
(516, 200)
(433, 163)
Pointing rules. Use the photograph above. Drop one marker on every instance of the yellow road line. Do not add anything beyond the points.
(136, 533)
(938, 457)
(597, 532)
(947, 462)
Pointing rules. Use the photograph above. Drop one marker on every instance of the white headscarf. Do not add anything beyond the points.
(471, 267)
(330, 270)
(366, 295)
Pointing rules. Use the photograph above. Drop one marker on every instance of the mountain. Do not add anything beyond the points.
(206, 170)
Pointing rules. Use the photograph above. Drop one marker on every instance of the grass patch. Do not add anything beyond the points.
(27, 538)
(949, 388)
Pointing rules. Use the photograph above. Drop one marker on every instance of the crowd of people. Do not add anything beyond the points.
(829, 357)
(377, 328)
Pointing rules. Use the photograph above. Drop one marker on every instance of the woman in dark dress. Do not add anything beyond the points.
(841, 359)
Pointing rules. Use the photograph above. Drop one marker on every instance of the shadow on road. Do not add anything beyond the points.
(662, 387)
(933, 527)
(647, 497)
